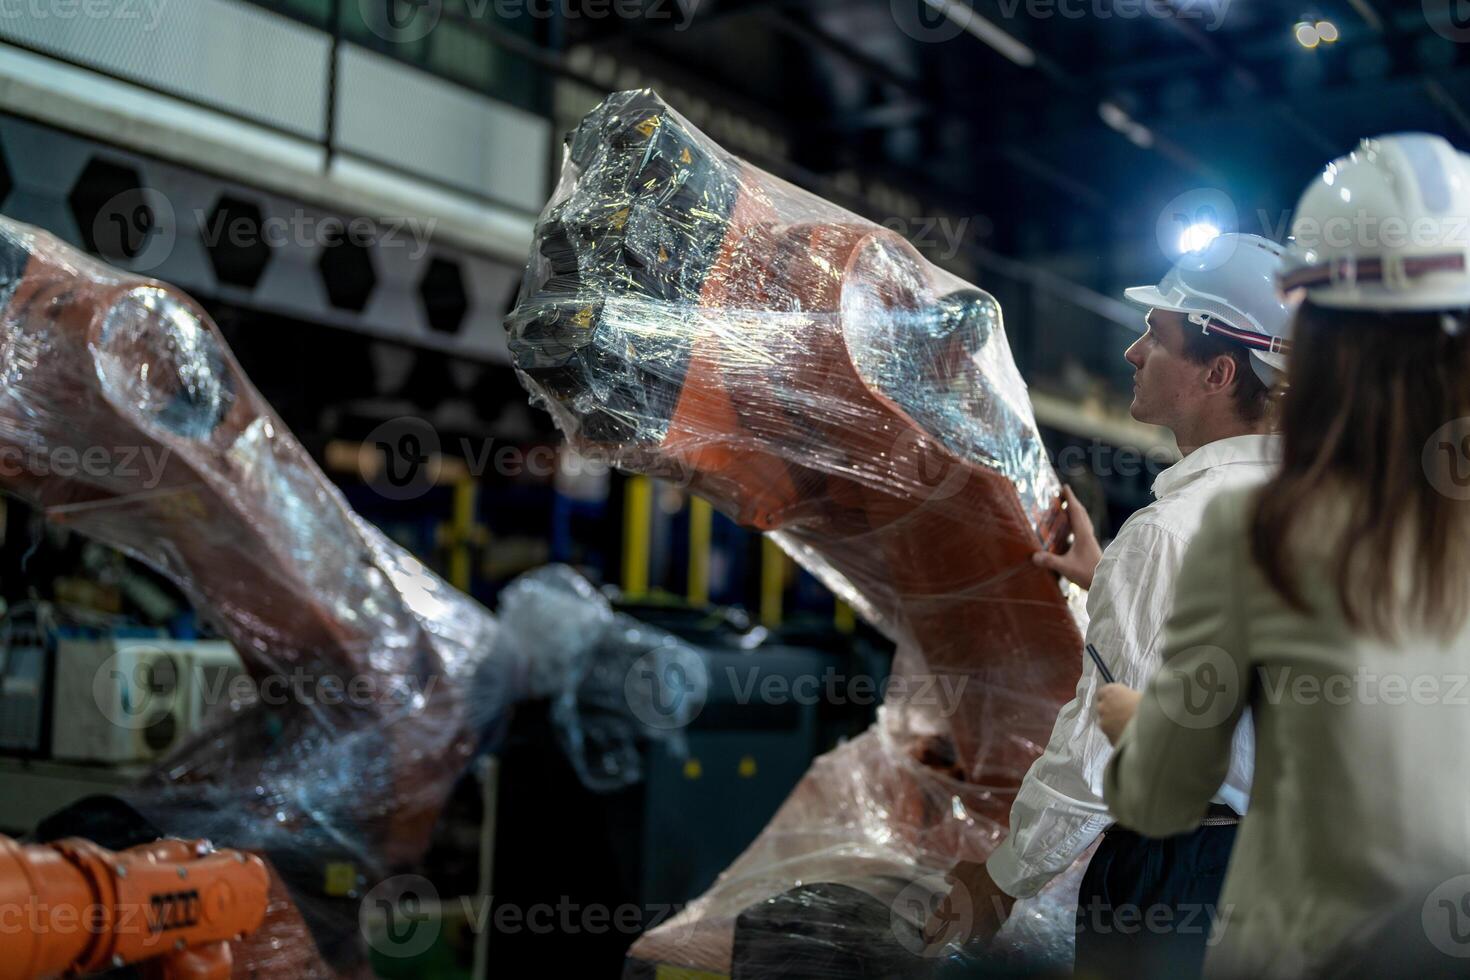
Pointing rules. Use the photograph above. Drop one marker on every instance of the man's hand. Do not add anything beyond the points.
(1080, 559)
(975, 908)
(1116, 705)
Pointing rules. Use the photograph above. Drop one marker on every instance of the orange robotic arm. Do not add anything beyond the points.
(813, 376)
(72, 908)
(807, 371)
(125, 417)
(191, 471)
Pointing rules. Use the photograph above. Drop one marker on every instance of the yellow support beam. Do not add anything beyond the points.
(701, 525)
(843, 618)
(773, 582)
(463, 532)
(637, 535)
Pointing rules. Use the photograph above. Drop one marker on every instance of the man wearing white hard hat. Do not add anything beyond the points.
(1214, 346)
(1346, 575)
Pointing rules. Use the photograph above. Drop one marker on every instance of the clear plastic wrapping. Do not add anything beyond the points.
(371, 682)
(806, 370)
(602, 671)
(124, 416)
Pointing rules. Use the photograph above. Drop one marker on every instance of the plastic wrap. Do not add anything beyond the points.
(124, 416)
(604, 673)
(691, 317)
(371, 682)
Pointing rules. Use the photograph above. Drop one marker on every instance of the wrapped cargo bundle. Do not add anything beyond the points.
(124, 416)
(691, 317)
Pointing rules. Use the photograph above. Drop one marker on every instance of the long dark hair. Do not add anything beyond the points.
(1369, 425)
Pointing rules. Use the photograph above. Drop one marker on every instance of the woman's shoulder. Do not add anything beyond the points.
(1228, 512)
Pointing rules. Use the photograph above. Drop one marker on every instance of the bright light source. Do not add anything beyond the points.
(1327, 31)
(1306, 35)
(1197, 236)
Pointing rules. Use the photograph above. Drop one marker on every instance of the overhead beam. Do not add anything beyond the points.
(700, 19)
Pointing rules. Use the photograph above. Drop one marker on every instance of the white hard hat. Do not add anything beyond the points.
(1228, 289)
(1385, 228)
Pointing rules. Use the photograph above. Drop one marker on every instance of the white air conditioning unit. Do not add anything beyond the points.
(22, 686)
(26, 641)
(123, 700)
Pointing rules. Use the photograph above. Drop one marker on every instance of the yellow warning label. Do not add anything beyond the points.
(667, 972)
(341, 879)
(647, 126)
(583, 319)
(684, 156)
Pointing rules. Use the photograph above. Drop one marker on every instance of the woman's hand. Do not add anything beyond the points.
(1080, 559)
(1116, 705)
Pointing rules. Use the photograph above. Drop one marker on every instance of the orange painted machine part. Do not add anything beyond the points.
(72, 908)
(923, 549)
(96, 357)
(812, 376)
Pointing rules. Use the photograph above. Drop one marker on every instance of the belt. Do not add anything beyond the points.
(1218, 815)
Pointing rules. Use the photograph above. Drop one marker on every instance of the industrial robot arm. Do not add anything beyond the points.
(173, 907)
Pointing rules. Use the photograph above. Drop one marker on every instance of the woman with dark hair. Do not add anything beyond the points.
(1333, 601)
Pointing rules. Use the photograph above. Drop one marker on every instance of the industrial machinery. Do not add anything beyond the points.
(174, 907)
(803, 369)
(27, 643)
(125, 417)
(370, 683)
(133, 700)
(807, 371)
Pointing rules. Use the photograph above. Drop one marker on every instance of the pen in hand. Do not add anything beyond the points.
(1102, 668)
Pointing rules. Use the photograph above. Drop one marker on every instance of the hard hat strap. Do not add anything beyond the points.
(1246, 338)
(1371, 269)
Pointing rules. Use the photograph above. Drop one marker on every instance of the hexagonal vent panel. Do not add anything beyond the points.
(235, 242)
(111, 209)
(443, 293)
(347, 271)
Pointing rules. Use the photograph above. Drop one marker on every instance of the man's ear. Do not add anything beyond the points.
(1221, 374)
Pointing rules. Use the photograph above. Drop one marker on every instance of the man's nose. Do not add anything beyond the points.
(1133, 355)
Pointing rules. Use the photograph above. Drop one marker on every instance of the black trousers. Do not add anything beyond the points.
(1146, 905)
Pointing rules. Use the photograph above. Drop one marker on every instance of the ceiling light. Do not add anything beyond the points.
(1306, 35)
(1197, 236)
(1327, 31)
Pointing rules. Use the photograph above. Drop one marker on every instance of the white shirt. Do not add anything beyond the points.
(1059, 809)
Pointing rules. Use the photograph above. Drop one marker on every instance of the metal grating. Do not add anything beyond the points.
(240, 59)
